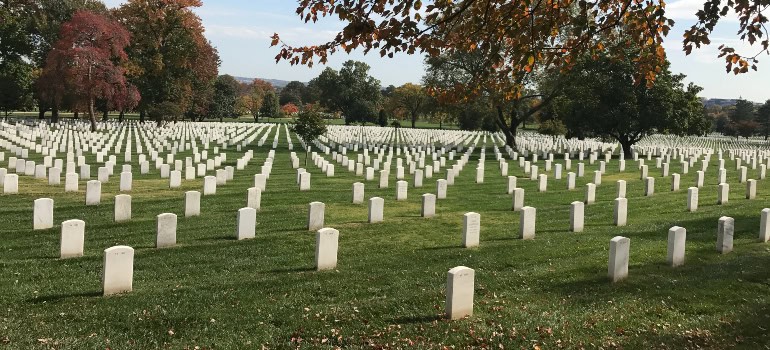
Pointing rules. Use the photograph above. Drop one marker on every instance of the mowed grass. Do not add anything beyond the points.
(388, 291)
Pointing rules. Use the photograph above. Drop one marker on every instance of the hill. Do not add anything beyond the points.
(276, 82)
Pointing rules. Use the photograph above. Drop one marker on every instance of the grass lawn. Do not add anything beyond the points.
(388, 291)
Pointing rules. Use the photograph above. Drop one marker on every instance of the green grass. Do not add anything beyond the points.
(389, 288)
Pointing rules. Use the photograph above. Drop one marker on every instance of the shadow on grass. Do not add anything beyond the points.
(60, 297)
(417, 319)
(292, 269)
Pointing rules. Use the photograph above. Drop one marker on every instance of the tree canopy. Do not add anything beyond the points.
(601, 99)
(171, 60)
(351, 91)
(410, 98)
(86, 62)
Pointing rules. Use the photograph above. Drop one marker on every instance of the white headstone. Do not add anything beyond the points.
(327, 243)
(621, 212)
(376, 209)
(676, 242)
(459, 292)
(72, 239)
(254, 198)
(166, 230)
(527, 223)
(209, 185)
(358, 193)
(692, 199)
(576, 216)
(93, 192)
(192, 203)
(315, 216)
(517, 199)
(118, 273)
(471, 229)
(401, 190)
(723, 193)
(428, 209)
(122, 207)
(725, 231)
(764, 226)
(617, 268)
(43, 214)
(246, 223)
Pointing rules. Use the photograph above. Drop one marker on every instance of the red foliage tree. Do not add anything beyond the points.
(86, 63)
(290, 109)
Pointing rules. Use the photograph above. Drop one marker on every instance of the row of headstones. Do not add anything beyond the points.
(118, 267)
(460, 280)
(43, 208)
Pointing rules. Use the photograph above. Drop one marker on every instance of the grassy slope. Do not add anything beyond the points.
(214, 292)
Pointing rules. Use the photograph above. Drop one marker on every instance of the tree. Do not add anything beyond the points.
(451, 79)
(743, 111)
(270, 107)
(292, 93)
(308, 126)
(531, 33)
(553, 127)
(351, 91)
(289, 109)
(412, 98)
(763, 118)
(164, 111)
(16, 47)
(256, 93)
(601, 98)
(15, 85)
(746, 128)
(171, 59)
(225, 96)
(382, 118)
(86, 61)
(45, 20)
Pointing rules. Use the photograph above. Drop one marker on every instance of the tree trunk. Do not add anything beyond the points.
(121, 116)
(105, 115)
(414, 119)
(54, 114)
(76, 115)
(508, 130)
(626, 144)
(40, 113)
(92, 114)
(256, 118)
(141, 116)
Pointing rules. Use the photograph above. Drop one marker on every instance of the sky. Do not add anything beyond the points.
(241, 30)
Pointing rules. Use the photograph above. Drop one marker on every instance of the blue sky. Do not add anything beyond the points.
(241, 30)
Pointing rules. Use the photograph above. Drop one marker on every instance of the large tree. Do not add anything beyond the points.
(763, 118)
(351, 91)
(602, 99)
(411, 98)
(292, 93)
(16, 79)
(225, 96)
(46, 18)
(171, 60)
(452, 79)
(270, 107)
(255, 95)
(87, 61)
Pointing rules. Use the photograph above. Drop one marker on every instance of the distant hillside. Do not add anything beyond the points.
(276, 82)
(723, 102)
